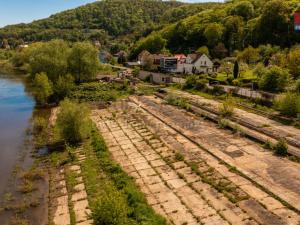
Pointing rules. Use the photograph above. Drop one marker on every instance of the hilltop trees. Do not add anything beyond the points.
(244, 9)
(274, 22)
(213, 33)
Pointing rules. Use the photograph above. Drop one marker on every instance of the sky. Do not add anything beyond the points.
(24, 11)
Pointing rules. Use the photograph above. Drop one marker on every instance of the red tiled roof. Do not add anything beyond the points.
(180, 56)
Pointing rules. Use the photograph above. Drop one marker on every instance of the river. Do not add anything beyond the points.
(16, 156)
(16, 108)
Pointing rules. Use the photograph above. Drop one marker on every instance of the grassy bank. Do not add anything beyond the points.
(114, 198)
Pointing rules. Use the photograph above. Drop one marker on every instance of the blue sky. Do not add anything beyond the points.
(18, 11)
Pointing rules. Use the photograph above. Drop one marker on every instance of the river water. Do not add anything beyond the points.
(16, 108)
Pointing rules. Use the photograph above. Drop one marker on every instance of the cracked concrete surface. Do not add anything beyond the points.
(197, 189)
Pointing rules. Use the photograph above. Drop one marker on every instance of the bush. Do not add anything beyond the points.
(226, 109)
(260, 70)
(297, 86)
(73, 122)
(111, 209)
(288, 104)
(230, 79)
(201, 84)
(281, 148)
(236, 82)
(177, 101)
(190, 82)
(274, 79)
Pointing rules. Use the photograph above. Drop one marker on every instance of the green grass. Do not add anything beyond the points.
(113, 195)
(103, 92)
(248, 75)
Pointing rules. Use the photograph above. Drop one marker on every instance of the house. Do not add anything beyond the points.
(168, 64)
(104, 56)
(143, 57)
(216, 66)
(181, 59)
(197, 63)
(121, 57)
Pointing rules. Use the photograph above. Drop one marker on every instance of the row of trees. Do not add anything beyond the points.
(56, 66)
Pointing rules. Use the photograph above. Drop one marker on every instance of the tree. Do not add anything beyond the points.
(203, 50)
(83, 61)
(234, 31)
(236, 70)
(294, 61)
(213, 33)
(42, 88)
(274, 79)
(49, 57)
(250, 55)
(288, 104)
(274, 22)
(244, 9)
(220, 51)
(63, 86)
(73, 122)
(154, 43)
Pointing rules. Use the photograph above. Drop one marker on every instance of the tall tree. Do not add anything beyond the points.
(43, 88)
(236, 70)
(83, 61)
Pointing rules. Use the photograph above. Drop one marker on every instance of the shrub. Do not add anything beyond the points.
(236, 82)
(226, 109)
(297, 86)
(179, 156)
(230, 79)
(39, 124)
(217, 90)
(190, 82)
(260, 70)
(73, 122)
(288, 104)
(177, 101)
(274, 79)
(111, 209)
(201, 84)
(281, 148)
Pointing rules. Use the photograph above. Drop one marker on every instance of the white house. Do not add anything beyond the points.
(197, 63)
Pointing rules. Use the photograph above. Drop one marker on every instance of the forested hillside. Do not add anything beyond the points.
(115, 23)
(228, 27)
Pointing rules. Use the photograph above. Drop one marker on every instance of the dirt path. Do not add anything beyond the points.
(182, 181)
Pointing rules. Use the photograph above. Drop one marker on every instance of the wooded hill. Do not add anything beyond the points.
(116, 23)
(227, 27)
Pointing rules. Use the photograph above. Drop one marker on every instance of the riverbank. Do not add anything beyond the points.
(24, 179)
